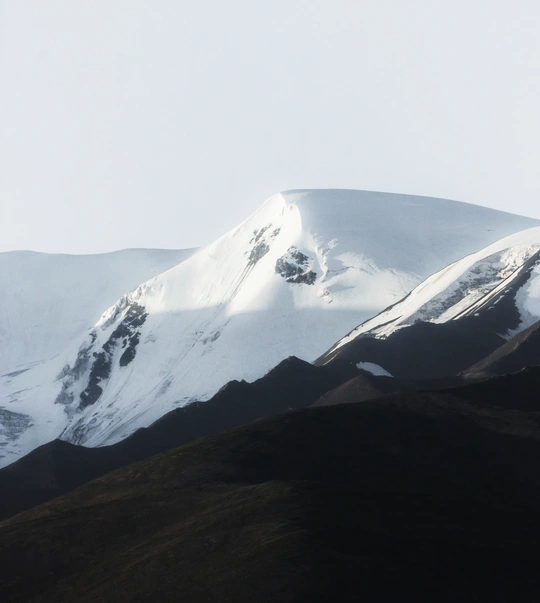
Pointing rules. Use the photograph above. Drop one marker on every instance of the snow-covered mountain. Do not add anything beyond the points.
(304, 269)
(506, 273)
(48, 300)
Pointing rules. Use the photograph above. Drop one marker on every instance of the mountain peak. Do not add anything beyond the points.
(307, 267)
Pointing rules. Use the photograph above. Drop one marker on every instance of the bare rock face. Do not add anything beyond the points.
(260, 242)
(13, 424)
(294, 267)
(125, 336)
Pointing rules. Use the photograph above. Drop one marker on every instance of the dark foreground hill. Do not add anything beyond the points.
(365, 387)
(431, 496)
(520, 351)
(432, 353)
(58, 467)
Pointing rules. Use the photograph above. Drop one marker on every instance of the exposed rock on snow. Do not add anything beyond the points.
(294, 267)
(94, 360)
(260, 244)
(12, 425)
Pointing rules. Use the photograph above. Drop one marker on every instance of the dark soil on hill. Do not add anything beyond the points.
(423, 350)
(420, 496)
(363, 387)
(58, 467)
(521, 351)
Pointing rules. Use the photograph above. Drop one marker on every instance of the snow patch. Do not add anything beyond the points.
(374, 369)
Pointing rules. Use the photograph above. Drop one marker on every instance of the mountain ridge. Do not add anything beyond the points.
(309, 262)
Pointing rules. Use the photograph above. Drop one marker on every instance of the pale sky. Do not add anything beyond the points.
(163, 123)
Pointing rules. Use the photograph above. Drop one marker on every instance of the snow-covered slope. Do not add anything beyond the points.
(303, 270)
(47, 300)
(474, 285)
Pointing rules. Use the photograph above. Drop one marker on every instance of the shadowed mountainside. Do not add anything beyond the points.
(519, 352)
(416, 496)
(58, 467)
(432, 353)
(423, 350)
(427, 348)
(361, 388)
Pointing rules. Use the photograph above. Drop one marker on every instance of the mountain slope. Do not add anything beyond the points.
(456, 317)
(521, 351)
(469, 285)
(50, 299)
(303, 270)
(58, 467)
(361, 388)
(421, 497)
(420, 351)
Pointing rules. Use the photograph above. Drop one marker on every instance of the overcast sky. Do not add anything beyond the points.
(163, 123)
